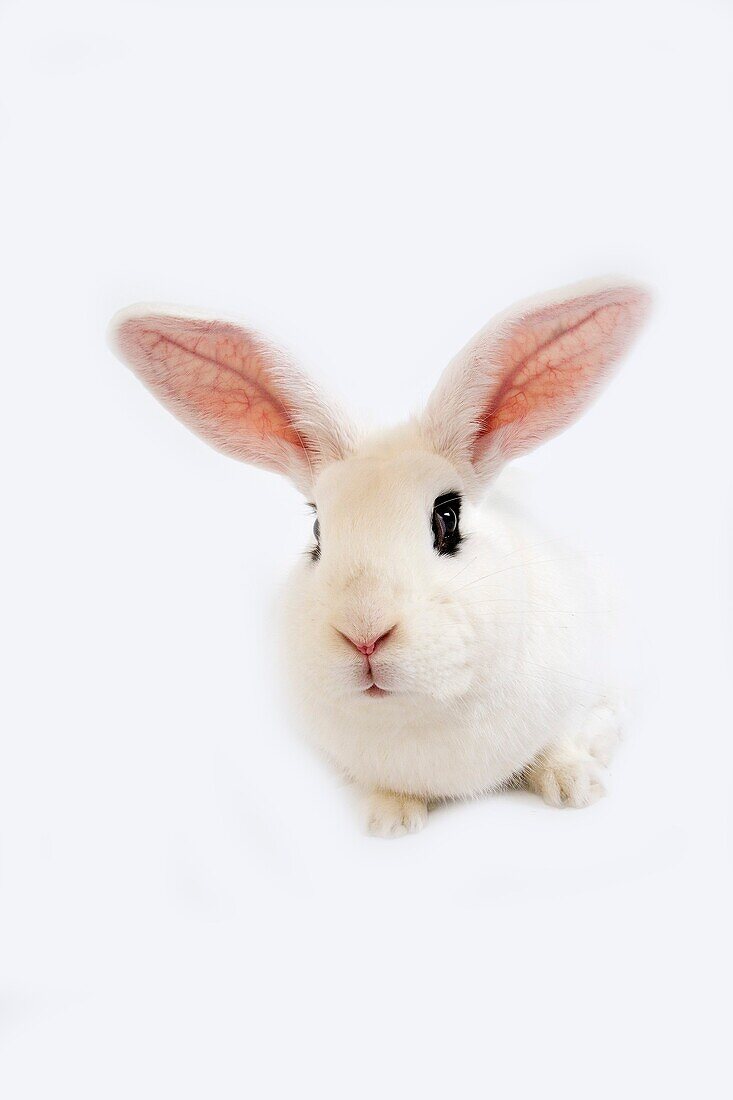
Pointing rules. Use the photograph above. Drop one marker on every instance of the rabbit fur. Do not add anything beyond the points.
(424, 671)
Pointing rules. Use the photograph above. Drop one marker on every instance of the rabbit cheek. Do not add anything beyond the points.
(328, 665)
(435, 658)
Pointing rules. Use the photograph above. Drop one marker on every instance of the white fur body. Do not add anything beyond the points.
(502, 640)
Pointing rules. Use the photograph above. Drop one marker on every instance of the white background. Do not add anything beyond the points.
(187, 905)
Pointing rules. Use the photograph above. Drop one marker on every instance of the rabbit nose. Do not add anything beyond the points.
(367, 647)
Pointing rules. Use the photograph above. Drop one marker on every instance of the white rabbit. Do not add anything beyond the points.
(432, 642)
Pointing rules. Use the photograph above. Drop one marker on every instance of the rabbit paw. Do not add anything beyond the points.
(391, 815)
(566, 779)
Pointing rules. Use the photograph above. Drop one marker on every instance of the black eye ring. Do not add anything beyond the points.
(446, 523)
(315, 551)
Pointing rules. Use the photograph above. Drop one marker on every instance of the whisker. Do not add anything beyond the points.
(518, 601)
(522, 617)
(562, 672)
(463, 569)
(517, 565)
(533, 546)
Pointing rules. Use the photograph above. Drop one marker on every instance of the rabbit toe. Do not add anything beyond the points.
(392, 815)
(566, 781)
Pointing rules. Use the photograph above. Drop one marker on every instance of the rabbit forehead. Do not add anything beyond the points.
(396, 480)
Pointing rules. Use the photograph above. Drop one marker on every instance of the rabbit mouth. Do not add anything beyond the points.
(376, 690)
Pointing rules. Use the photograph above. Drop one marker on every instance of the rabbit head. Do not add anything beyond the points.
(379, 606)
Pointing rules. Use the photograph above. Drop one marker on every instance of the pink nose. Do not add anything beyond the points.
(367, 648)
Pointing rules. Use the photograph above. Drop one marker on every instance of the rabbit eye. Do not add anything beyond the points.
(446, 523)
(315, 551)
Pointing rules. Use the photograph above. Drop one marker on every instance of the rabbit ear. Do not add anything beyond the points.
(531, 372)
(229, 385)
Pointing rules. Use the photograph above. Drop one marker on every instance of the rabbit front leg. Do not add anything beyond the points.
(565, 775)
(389, 814)
(568, 772)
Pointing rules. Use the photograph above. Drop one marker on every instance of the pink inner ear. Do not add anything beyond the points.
(213, 375)
(551, 361)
